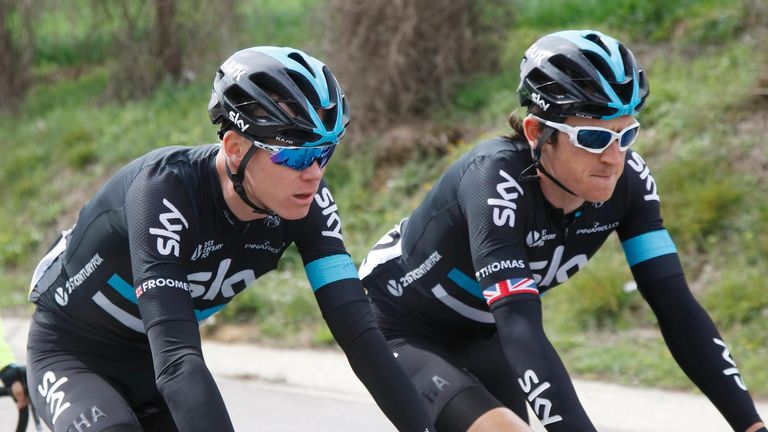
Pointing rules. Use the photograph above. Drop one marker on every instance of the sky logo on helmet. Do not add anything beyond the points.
(237, 121)
(538, 100)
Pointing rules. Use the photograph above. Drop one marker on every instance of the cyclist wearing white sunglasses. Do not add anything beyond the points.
(114, 343)
(457, 286)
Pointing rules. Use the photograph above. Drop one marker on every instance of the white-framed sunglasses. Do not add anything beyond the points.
(595, 139)
(298, 158)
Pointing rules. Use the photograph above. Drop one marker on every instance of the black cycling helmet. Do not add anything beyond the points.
(581, 73)
(250, 86)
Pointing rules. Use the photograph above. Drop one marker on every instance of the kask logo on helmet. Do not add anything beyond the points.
(233, 68)
(536, 55)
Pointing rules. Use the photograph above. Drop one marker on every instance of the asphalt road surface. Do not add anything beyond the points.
(290, 390)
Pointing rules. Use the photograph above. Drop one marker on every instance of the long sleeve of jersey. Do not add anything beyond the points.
(182, 377)
(159, 235)
(493, 204)
(541, 373)
(345, 308)
(348, 315)
(688, 331)
(693, 339)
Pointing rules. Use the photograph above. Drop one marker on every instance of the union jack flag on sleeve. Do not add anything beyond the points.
(510, 287)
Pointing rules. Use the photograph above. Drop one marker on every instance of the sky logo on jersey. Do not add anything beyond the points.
(731, 371)
(504, 208)
(540, 405)
(638, 164)
(168, 237)
(325, 200)
(509, 287)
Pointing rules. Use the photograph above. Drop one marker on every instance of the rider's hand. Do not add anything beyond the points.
(19, 395)
(13, 377)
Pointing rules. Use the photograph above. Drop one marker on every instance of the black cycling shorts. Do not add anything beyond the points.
(459, 380)
(78, 384)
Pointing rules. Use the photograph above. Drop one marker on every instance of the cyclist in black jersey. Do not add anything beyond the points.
(11, 374)
(114, 343)
(456, 286)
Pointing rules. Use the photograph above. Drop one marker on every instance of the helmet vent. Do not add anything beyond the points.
(305, 87)
(300, 59)
(624, 90)
(538, 79)
(332, 110)
(576, 73)
(602, 67)
(567, 66)
(237, 96)
(597, 40)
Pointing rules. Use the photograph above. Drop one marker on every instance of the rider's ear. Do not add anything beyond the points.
(234, 147)
(532, 129)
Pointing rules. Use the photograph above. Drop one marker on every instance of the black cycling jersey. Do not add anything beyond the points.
(485, 243)
(483, 234)
(161, 223)
(156, 251)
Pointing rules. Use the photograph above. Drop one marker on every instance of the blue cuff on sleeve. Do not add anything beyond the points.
(647, 246)
(323, 271)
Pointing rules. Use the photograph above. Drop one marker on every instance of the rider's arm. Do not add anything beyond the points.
(342, 301)
(688, 331)
(693, 339)
(158, 215)
(541, 373)
(493, 239)
(348, 315)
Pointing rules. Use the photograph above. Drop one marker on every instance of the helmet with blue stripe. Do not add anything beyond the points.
(279, 93)
(581, 73)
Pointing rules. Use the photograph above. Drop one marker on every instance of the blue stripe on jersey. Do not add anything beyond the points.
(205, 313)
(123, 288)
(126, 290)
(323, 271)
(470, 285)
(647, 246)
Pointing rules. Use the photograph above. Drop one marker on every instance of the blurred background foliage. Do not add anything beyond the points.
(86, 85)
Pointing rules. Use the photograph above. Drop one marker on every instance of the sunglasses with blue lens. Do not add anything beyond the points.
(298, 158)
(595, 139)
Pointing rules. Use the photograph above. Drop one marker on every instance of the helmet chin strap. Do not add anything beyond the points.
(237, 183)
(543, 139)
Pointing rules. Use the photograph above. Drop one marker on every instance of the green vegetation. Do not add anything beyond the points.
(703, 135)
